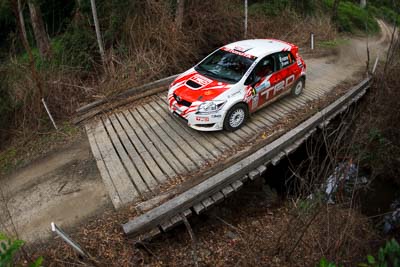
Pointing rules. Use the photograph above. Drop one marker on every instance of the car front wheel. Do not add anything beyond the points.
(236, 117)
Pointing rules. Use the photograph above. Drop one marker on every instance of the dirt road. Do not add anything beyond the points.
(65, 187)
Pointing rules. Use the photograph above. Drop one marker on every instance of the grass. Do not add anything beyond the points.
(354, 19)
(332, 43)
(25, 149)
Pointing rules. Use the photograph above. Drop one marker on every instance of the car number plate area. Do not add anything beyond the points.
(202, 119)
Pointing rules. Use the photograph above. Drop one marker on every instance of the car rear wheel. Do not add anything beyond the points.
(298, 87)
(236, 117)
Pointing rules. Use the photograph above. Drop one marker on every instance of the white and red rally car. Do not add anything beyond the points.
(237, 79)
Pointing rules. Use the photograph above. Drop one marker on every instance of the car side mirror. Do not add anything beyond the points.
(256, 79)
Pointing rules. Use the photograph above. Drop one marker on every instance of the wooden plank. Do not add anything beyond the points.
(149, 235)
(307, 98)
(217, 197)
(262, 169)
(235, 171)
(244, 178)
(149, 171)
(254, 174)
(237, 185)
(288, 104)
(212, 144)
(266, 114)
(123, 184)
(275, 160)
(265, 122)
(173, 146)
(135, 178)
(227, 191)
(207, 203)
(228, 142)
(185, 145)
(175, 220)
(145, 132)
(206, 149)
(112, 190)
(279, 110)
(167, 225)
(301, 100)
(145, 149)
(199, 208)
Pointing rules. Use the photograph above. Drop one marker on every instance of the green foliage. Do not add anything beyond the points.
(389, 255)
(352, 18)
(269, 8)
(275, 7)
(385, 13)
(332, 43)
(8, 248)
(376, 135)
(76, 48)
(325, 263)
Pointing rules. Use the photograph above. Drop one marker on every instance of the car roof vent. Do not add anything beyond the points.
(193, 84)
(242, 48)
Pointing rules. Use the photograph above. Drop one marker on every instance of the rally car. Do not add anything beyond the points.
(235, 80)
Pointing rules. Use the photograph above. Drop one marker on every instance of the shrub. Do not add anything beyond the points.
(352, 18)
(8, 249)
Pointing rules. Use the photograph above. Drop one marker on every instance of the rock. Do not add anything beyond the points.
(231, 235)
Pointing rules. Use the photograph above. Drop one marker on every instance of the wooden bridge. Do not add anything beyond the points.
(142, 148)
(142, 151)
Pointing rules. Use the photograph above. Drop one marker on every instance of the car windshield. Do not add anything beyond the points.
(225, 66)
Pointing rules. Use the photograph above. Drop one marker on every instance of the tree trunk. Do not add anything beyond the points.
(42, 40)
(335, 10)
(16, 6)
(22, 21)
(363, 3)
(180, 8)
(97, 27)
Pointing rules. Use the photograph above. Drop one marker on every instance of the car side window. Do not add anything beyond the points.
(285, 59)
(265, 67)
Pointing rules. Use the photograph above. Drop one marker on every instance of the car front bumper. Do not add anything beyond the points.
(200, 122)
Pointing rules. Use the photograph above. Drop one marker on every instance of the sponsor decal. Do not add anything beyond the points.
(265, 84)
(237, 52)
(299, 63)
(202, 119)
(201, 80)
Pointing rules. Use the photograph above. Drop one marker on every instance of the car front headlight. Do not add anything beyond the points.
(210, 106)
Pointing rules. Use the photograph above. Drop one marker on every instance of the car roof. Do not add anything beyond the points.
(260, 47)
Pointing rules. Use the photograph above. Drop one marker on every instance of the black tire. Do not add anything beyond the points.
(236, 117)
(297, 89)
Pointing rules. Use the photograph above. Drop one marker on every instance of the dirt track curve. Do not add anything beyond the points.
(66, 186)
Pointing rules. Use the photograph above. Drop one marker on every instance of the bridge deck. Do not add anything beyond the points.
(142, 147)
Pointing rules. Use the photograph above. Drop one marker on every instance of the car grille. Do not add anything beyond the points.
(182, 101)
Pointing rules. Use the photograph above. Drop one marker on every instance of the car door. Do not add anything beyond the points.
(285, 71)
(263, 79)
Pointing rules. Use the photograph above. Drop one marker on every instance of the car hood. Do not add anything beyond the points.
(193, 86)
